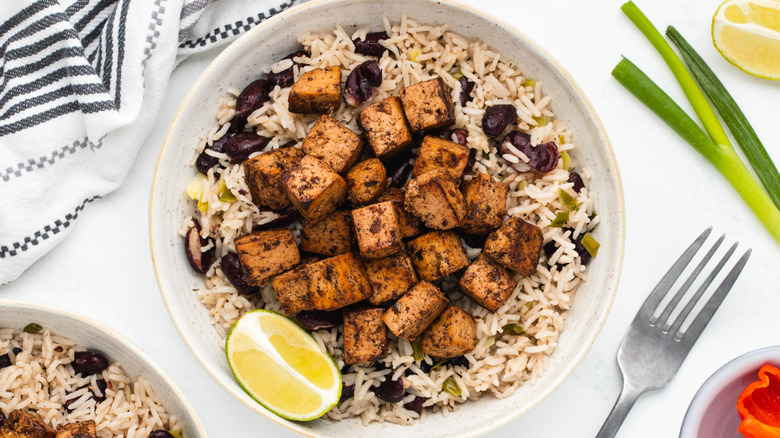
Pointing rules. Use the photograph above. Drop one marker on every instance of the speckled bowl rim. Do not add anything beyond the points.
(564, 372)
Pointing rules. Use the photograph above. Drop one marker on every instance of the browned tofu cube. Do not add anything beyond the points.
(390, 277)
(314, 188)
(316, 92)
(485, 200)
(487, 283)
(516, 246)
(385, 127)
(79, 429)
(333, 143)
(415, 311)
(266, 253)
(437, 254)
(436, 152)
(337, 282)
(366, 181)
(292, 290)
(410, 225)
(330, 236)
(365, 335)
(428, 105)
(263, 175)
(377, 231)
(453, 334)
(435, 199)
(22, 424)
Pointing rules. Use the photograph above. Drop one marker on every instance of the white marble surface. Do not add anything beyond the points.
(104, 268)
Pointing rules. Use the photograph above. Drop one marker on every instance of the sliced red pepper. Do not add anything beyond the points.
(759, 405)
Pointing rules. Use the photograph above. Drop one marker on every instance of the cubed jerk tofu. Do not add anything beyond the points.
(292, 290)
(314, 188)
(366, 181)
(337, 282)
(365, 335)
(415, 311)
(436, 152)
(516, 246)
(428, 106)
(385, 127)
(410, 225)
(376, 230)
(263, 175)
(452, 334)
(22, 424)
(79, 429)
(485, 200)
(333, 143)
(266, 253)
(330, 236)
(437, 254)
(390, 277)
(487, 283)
(316, 92)
(435, 199)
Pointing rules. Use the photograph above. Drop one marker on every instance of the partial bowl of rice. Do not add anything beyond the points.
(61, 372)
(516, 123)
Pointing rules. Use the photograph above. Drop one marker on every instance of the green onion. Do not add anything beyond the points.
(489, 342)
(174, 434)
(195, 188)
(203, 206)
(413, 54)
(225, 195)
(485, 155)
(451, 386)
(528, 83)
(561, 139)
(731, 114)
(437, 365)
(529, 305)
(542, 120)
(560, 219)
(592, 215)
(513, 329)
(568, 200)
(565, 160)
(457, 75)
(417, 353)
(33, 328)
(590, 244)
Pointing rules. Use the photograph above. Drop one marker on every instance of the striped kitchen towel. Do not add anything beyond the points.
(81, 83)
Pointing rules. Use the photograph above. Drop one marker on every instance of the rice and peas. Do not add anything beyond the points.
(501, 362)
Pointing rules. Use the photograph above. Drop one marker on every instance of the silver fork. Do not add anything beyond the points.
(654, 346)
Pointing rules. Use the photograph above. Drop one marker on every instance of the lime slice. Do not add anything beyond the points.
(747, 34)
(281, 366)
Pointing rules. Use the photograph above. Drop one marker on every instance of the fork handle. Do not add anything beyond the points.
(628, 396)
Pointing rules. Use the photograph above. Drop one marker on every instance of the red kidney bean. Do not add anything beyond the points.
(243, 144)
(542, 158)
(398, 169)
(459, 136)
(318, 319)
(231, 267)
(471, 160)
(576, 179)
(251, 98)
(497, 118)
(466, 87)
(473, 240)
(371, 45)
(160, 433)
(5, 361)
(206, 161)
(578, 247)
(391, 391)
(286, 217)
(363, 83)
(347, 392)
(286, 77)
(101, 385)
(193, 244)
(416, 405)
(88, 363)
(550, 248)
(459, 361)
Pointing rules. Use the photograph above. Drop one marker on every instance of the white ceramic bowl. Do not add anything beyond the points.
(94, 336)
(713, 410)
(240, 63)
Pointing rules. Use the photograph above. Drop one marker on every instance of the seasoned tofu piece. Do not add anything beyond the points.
(377, 231)
(452, 334)
(385, 127)
(314, 188)
(410, 225)
(487, 283)
(485, 200)
(21, 424)
(366, 181)
(437, 254)
(292, 290)
(435, 199)
(266, 253)
(79, 429)
(333, 143)
(390, 277)
(365, 335)
(263, 175)
(516, 246)
(415, 311)
(428, 106)
(337, 282)
(436, 152)
(330, 236)
(316, 92)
